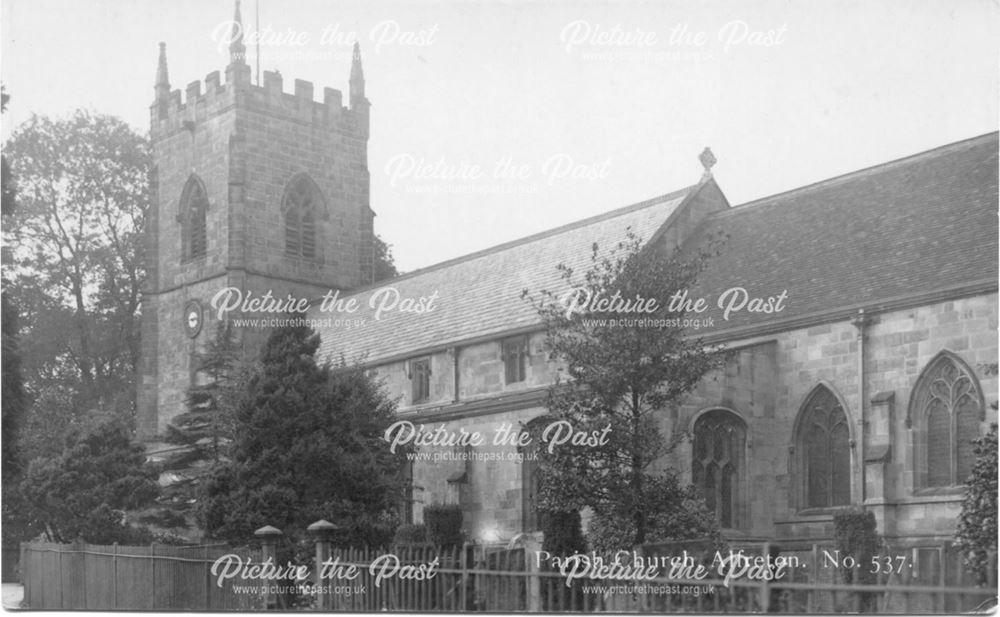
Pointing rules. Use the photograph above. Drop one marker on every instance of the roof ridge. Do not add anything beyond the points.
(853, 175)
(535, 236)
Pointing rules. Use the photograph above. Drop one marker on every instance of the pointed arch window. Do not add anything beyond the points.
(301, 205)
(823, 442)
(193, 212)
(946, 409)
(718, 460)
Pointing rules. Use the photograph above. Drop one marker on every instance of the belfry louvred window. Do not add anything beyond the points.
(947, 408)
(300, 205)
(824, 446)
(719, 448)
(193, 212)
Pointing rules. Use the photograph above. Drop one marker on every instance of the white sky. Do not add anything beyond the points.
(847, 85)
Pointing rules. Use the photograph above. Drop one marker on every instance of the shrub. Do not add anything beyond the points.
(977, 524)
(84, 493)
(444, 524)
(563, 534)
(855, 535)
(410, 534)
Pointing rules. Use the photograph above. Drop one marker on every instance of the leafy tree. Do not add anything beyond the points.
(14, 403)
(7, 184)
(385, 264)
(676, 512)
(85, 492)
(976, 534)
(75, 264)
(619, 377)
(308, 444)
(16, 526)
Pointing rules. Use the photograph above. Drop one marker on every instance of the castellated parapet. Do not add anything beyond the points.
(176, 113)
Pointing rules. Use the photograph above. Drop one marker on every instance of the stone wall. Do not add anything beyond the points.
(485, 480)
(480, 370)
(765, 382)
(769, 379)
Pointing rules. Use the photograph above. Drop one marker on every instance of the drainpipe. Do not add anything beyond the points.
(455, 385)
(860, 322)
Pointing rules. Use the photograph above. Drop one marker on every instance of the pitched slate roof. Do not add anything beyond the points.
(913, 226)
(906, 228)
(479, 295)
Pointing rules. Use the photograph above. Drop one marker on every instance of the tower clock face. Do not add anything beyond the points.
(192, 318)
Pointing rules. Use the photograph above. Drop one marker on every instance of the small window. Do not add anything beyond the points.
(420, 378)
(515, 354)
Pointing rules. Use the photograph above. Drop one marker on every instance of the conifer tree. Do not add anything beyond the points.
(206, 427)
(204, 432)
(307, 445)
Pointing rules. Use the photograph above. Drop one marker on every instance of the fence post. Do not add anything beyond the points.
(533, 588)
(114, 572)
(152, 565)
(463, 593)
(322, 530)
(22, 574)
(268, 543)
(207, 577)
(765, 591)
(61, 583)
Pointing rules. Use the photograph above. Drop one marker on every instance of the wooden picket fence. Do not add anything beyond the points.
(495, 579)
(910, 580)
(492, 579)
(156, 577)
(11, 566)
(466, 578)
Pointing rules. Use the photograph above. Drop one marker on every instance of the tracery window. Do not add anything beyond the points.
(823, 443)
(718, 459)
(947, 407)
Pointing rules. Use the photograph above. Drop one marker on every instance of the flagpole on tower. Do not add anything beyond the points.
(257, 25)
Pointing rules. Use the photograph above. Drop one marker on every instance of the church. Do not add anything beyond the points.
(865, 388)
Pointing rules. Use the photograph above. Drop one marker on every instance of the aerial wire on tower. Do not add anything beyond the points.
(257, 25)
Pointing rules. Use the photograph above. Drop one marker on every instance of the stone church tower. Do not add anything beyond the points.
(253, 189)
